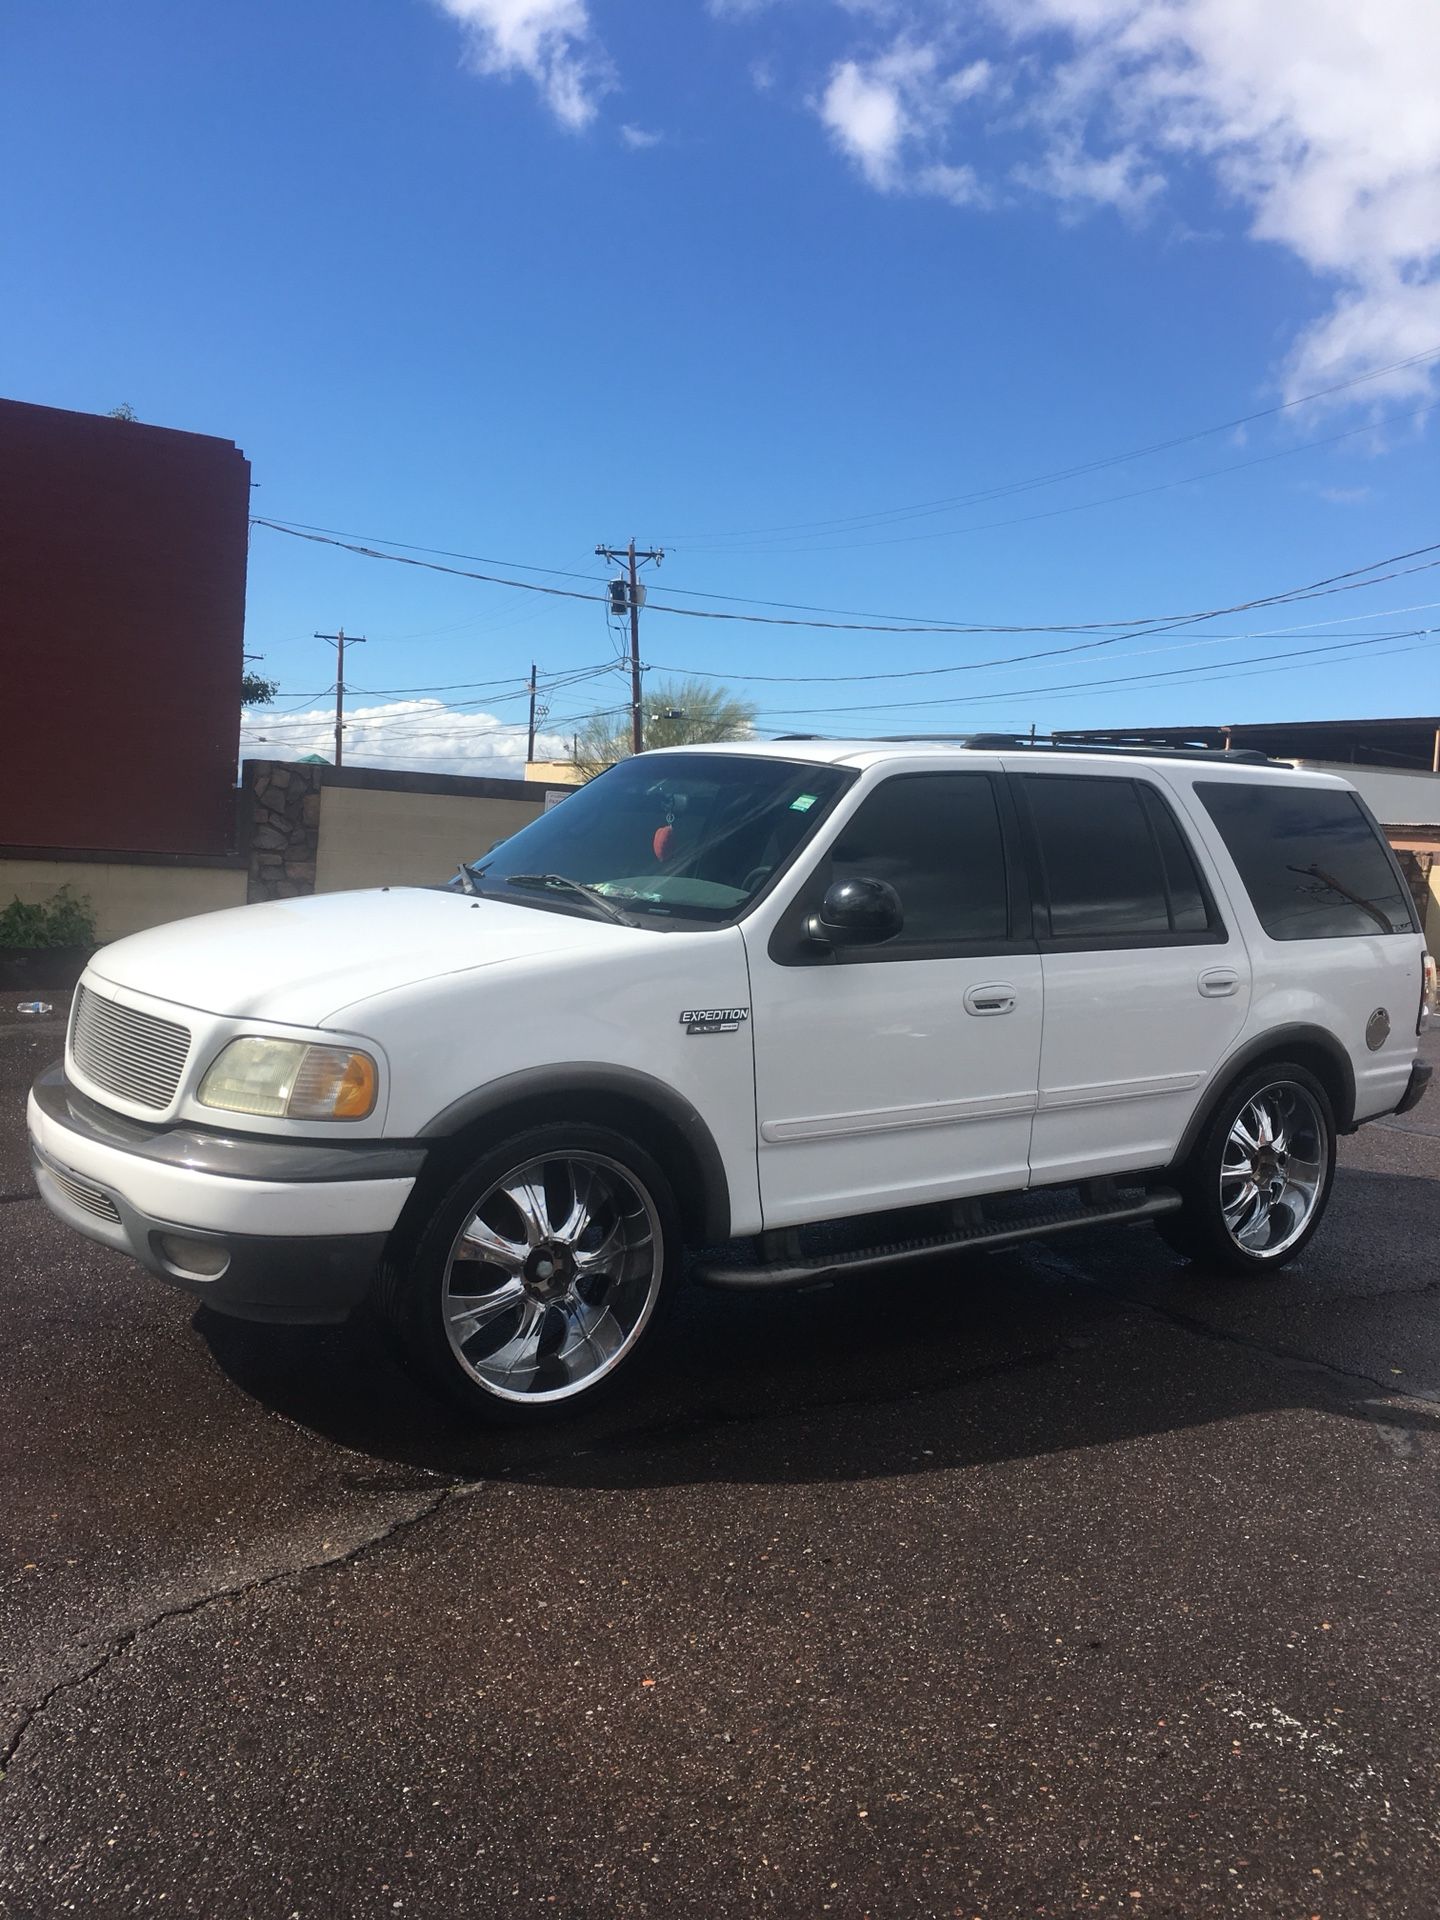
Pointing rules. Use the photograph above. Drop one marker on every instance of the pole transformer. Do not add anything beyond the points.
(633, 559)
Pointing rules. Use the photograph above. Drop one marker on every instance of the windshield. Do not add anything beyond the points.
(683, 837)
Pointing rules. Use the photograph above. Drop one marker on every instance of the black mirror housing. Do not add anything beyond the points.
(857, 912)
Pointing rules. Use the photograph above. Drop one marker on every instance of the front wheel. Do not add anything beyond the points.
(540, 1274)
(1258, 1181)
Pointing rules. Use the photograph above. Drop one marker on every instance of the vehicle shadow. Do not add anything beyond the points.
(1089, 1342)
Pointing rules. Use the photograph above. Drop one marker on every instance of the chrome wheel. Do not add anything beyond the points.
(552, 1277)
(1273, 1169)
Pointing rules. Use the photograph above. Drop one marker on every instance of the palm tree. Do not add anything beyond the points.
(678, 713)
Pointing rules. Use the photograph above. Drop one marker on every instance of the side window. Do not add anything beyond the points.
(1116, 865)
(936, 838)
(1189, 908)
(1312, 863)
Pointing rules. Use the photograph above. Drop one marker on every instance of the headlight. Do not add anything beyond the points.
(291, 1080)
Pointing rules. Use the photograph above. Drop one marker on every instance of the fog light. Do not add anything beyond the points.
(199, 1259)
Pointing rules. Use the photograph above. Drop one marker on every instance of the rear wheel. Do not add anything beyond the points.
(540, 1275)
(1258, 1181)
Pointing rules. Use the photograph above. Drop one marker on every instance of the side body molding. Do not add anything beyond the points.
(593, 1083)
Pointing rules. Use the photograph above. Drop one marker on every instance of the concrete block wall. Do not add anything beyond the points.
(127, 895)
(321, 829)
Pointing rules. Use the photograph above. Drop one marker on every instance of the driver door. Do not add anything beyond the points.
(890, 1075)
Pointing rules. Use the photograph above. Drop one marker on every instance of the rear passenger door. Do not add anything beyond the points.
(1146, 986)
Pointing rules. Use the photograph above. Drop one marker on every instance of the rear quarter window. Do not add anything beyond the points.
(1313, 864)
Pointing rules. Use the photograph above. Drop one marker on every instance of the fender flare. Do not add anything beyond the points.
(1267, 1046)
(567, 1079)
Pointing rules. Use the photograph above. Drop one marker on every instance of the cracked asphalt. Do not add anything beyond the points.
(1061, 1582)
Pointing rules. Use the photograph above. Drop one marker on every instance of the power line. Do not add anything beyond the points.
(544, 685)
(1317, 589)
(886, 621)
(444, 553)
(1248, 673)
(431, 566)
(420, 726)
(883, 514)
(976, 666)
(1056, 513)
(323, 694)
(378, 717)
(979, 666)
(1169, 673)
(1085, 690)
(1348, 582)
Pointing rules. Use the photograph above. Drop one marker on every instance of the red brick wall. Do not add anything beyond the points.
(122, 606)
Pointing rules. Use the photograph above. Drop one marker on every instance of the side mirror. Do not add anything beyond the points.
(858, 912)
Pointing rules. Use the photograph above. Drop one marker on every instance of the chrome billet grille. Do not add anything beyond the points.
(90, 1199)
(133, 1054)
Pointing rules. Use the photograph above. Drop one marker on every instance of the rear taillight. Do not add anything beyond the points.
(1429, 993)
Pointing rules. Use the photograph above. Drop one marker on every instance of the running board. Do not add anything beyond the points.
(982, 1234)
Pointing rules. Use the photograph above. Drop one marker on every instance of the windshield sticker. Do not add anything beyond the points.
(803, 802)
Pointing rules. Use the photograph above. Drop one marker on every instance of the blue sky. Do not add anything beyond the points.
(511, 277)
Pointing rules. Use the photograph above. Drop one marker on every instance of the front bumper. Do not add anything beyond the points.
(326, 1208)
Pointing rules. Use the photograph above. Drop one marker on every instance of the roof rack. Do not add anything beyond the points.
(1136, 744)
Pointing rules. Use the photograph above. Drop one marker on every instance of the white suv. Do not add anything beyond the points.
(797, 1008)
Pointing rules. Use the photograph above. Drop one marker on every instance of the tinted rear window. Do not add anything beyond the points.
(1116, 865)
(1312, 863)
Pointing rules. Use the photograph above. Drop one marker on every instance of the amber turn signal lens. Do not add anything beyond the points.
(334, 1083)
(355, 1095)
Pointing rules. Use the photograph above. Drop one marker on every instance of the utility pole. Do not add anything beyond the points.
(340, 641)
(530, 743)
(652, 555)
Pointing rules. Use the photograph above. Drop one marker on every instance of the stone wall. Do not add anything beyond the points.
(284, 828)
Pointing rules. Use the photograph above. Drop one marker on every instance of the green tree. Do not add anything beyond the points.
(256, 691)
(123, 412)
(678, 713)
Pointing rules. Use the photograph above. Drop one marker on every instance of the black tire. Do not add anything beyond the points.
(592, 1328)
(1283, 1209)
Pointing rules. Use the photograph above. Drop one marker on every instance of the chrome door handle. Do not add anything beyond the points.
(1218, 983)
(991, 999)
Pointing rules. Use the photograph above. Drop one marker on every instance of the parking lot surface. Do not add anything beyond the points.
(1059, 1582)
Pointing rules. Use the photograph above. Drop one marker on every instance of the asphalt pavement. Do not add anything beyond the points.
(1059, 1582)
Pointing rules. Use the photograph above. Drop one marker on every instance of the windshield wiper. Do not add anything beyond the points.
(469, 875)
(563, 881)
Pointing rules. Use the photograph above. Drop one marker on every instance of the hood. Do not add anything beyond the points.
(301, 962)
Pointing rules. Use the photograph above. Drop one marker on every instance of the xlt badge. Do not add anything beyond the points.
(713, 1019)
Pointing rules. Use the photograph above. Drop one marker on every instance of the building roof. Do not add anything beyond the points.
(1406, 743)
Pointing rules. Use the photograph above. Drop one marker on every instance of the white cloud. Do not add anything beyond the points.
(865, 114)
(551, 42)
(424, 734)
(888, 114)
(639, 138)
(1067, 173)
(1318, 116)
